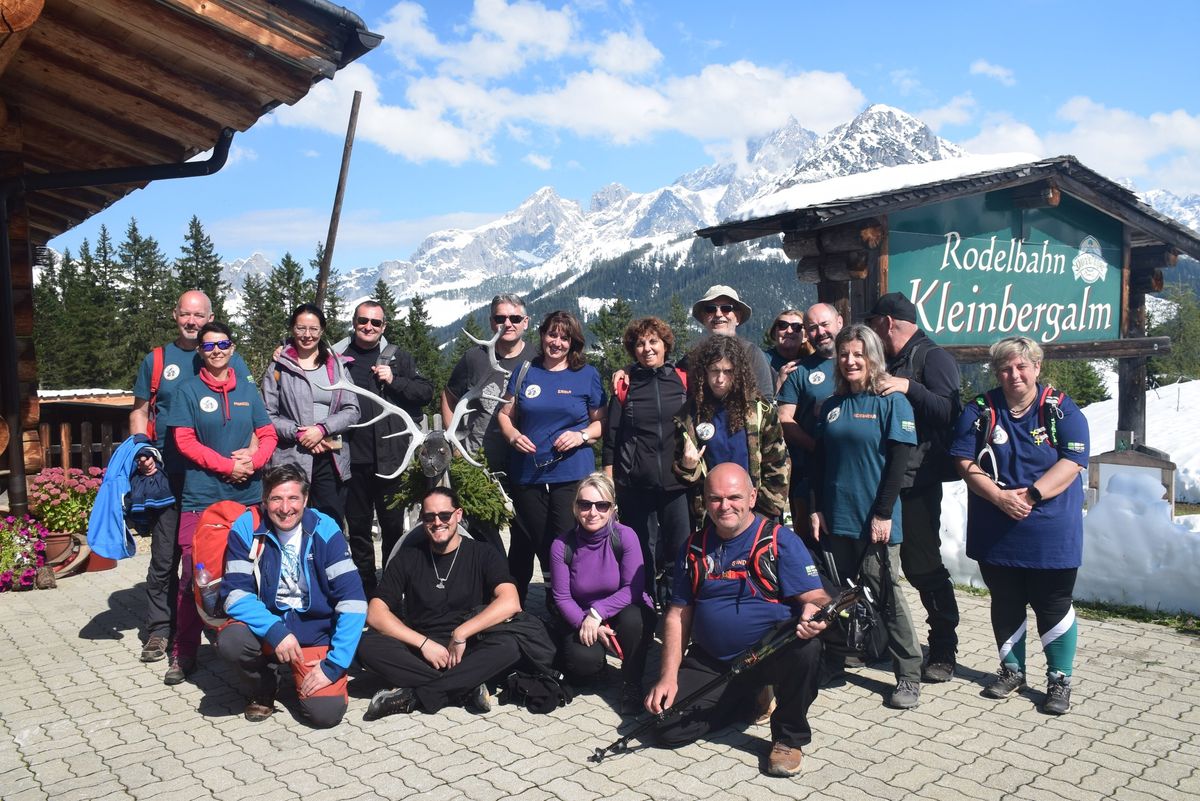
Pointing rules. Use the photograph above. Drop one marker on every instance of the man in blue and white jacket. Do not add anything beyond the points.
(294, 595)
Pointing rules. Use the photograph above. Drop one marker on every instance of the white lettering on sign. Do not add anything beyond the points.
(1010, 257)
(940, 309)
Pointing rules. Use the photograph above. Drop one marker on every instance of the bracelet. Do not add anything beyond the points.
(421, 647)
(458, 642)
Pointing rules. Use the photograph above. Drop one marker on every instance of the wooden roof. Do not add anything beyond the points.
(1148, 227)
(98, 84)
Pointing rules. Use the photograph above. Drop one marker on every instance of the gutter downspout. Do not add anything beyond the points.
(18, 501)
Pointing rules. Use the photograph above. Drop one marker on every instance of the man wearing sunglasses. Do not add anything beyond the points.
(721, 311)
(387, 370)
(506, 315)
(787, 332)
(434, 602)
(161, 373)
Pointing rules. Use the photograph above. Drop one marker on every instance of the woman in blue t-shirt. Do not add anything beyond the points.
(1021, 449)
(550, 415)
(864, 441)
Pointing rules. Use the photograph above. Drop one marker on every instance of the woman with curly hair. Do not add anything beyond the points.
(727, 420)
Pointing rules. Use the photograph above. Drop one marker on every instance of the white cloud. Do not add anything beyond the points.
(960, 110)
(628, 54)
(1000, 133)
(905, 81)
(311, 154)
(994, 71)
(538, 160)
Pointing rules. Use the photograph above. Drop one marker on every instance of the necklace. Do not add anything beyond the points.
(1018, 412)
(441, 583)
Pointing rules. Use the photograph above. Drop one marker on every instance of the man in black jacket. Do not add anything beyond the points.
(928, 376)
(390, 372)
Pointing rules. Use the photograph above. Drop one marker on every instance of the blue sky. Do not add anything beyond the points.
(470, 107)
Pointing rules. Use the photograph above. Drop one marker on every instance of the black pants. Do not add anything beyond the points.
(545, 511)
(1046, 591)
(634, 626)
(327, 492)
(662, 523)
(793, 673)
(255, 670)
(162, 576)
(921, 559)
(401, 665)
(368, 495)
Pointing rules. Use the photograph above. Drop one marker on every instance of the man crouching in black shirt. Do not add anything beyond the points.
(424, 639)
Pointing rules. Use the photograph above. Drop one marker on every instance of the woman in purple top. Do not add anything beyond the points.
(598, 581)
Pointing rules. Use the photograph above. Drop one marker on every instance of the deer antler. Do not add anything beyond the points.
(417, 433)
(463, 407)
(490, 344)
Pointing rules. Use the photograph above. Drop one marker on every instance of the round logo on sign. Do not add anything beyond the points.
(999, 436)
(171, 372)
(208, 404)
(834, 414)
(816, 378)
(532, 391)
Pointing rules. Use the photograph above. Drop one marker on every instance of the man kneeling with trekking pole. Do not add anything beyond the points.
(294, 596)
(737, 580)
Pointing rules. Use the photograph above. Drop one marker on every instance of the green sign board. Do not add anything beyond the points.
(978, 271)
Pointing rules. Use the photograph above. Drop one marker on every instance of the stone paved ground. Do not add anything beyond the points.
(82, 718)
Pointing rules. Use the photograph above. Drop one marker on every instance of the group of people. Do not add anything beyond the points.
(738, 488)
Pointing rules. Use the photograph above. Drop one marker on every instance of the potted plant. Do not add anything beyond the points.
(22, 552)
(62, 500)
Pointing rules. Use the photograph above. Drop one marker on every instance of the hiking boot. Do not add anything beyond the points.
(938, 669)
(178, 670)
(257, 712)
(631, 699)
(1007, 682)
(390, 702)
(155, 648)
(1058, 695)
(479, 700)
(764, 705)
(784, 760)
(907, 695)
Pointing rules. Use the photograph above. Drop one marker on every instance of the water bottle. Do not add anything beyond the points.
(210, 594)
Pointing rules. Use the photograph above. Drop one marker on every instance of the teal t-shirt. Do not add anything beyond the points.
(855, 430)
(200, 408)
(807, 386)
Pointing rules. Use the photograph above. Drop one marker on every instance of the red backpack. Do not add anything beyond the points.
(156, 371)
(208, 549)
(762, 563)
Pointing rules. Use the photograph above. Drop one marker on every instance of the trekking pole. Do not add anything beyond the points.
(746, 661)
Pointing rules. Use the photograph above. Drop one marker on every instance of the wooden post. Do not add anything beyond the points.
(1131, 373)
(64, 440)
(85, 445)
(335, 217)
(106, 443)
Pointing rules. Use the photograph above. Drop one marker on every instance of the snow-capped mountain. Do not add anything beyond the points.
(1185, 209)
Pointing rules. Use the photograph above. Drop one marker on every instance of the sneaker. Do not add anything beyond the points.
(938, 670)
(178, 670)
(1007, 682)
(155, 648)
(631, 699)
(784, 760)
(907, 695)
(390, 702)
(764, 705)
(1058, 695)
(479, 700)
(257, 712)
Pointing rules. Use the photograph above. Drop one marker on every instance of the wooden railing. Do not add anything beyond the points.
(90, 450)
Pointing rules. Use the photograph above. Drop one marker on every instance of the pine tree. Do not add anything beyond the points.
(50, 327)
(1183, 362)
(95, 315)
(1076, 377)
(258, 336)
(383, 294)
(608, 350)
(199, 267)
(337, 326)
(416, 337)
(147, 299)
(462, 343)
(679, 319)
(287, 289)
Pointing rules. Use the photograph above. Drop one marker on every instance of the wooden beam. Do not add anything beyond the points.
(807, 271)
(277, 32)
(1038, 195)
(845, 266)
(1164, 233)
(864, 233)
(18, 18)
(1153, 257)
(800, 246)
(1144, 281)
(1102, 349)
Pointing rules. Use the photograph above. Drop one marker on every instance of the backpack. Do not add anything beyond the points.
(621, 387)
(614, 542)
(156, 371)
(208, 549)
(1049, 413)
(763, 562)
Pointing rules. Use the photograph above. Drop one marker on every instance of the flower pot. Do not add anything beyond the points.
(96, 563)
(59, 545)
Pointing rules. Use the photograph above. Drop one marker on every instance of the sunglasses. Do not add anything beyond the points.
(223, 344)
(724, 308)
(375, 322)
(429, 517)
(603, 507)
(784, 325)
(501, 319)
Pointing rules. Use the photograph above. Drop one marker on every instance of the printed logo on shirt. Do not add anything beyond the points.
(865, 416)
(834, 414)
(241, 403)
(908, 425)
(564, 392)
(811, 570)
(532, 391)
(999, 436)
(1040, 437)
(171, 372)
(815, 378)
(1077, 447)
(208, 404)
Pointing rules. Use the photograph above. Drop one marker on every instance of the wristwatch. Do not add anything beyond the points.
(586, 438)
(1034, 493)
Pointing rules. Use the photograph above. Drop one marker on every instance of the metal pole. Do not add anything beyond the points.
(335, 217)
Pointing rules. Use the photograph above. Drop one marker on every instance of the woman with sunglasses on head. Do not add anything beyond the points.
(551, 414)
(791, 345)
(308, 418)
(214, 420)
(597, 579)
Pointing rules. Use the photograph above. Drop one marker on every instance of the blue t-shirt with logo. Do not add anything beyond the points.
(1051, 537)
(550, 402)
(200, 408)
(729, 614)
(855, 431)
(807, 386)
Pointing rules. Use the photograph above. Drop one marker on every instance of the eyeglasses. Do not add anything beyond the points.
(374, 322)
(784, 325)
(501, 319)
(603, 507)
(223, 344)
(315, 330)
(429, 517)
(558, 457)
(723, 308)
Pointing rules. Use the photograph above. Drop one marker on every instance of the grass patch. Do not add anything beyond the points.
(1182, 622)
(1182, 509)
